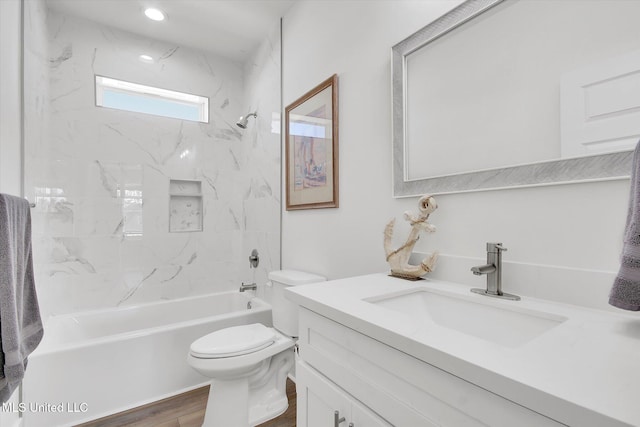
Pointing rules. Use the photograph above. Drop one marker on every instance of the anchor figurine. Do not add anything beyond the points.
(398, 259)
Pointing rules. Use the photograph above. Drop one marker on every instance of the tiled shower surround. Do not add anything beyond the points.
(101, 177)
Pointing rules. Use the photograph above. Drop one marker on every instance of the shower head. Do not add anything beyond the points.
(242, 121)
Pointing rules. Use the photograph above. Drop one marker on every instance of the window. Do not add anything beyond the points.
(121, 95)
(132, 202)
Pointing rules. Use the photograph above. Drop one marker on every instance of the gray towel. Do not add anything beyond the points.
(20, 324)
(625, 292)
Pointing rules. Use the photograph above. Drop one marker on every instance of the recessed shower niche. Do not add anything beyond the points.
(185, 206)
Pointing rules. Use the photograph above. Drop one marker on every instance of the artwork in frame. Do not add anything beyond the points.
(311, 154)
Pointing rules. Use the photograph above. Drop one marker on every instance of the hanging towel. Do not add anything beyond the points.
(625, 292)
(20, 323)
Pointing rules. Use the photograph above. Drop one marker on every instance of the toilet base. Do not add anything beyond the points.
(251, 400)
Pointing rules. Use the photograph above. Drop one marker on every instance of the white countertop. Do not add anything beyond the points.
(583, 372)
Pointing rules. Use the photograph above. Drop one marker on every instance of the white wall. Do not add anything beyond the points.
(10, 96)
(548, 230)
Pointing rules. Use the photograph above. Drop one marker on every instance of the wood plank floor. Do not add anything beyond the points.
(185, 410)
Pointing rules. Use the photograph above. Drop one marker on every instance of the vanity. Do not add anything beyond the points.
(381, 351)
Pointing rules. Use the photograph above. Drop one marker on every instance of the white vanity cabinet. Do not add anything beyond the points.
(321, 403)
(372, 384)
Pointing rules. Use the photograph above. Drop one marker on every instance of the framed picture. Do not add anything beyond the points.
(311, 155)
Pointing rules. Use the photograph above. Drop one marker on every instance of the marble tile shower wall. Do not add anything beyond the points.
(100, 177)
(261, 142)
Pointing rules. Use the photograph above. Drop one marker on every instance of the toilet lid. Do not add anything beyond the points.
(233, 341)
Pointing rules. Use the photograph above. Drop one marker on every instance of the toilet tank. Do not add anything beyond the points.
(284, 311)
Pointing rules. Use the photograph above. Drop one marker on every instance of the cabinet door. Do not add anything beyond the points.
(361, 416)
(318, 400)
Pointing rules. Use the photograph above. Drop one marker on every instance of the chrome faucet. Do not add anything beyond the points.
(493, 270)
(248, 287)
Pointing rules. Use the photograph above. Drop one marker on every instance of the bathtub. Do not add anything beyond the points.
(97, 363)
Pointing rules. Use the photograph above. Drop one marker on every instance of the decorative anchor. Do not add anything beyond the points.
(398, 259)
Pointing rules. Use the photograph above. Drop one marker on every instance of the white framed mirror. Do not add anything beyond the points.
(512, 93)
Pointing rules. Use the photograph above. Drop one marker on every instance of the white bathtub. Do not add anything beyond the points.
(97, 363)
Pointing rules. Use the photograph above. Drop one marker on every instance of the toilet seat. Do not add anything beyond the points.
(233, 341)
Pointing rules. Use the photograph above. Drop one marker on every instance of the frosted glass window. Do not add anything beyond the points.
(121, 95)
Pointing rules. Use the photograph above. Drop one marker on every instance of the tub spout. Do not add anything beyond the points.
(248, 286)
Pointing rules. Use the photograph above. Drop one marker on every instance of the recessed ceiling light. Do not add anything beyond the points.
(146, 58)
(154, 14)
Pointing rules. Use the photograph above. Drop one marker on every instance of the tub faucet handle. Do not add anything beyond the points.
(254, 259)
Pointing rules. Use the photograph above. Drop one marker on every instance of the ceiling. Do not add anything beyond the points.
(230, 28)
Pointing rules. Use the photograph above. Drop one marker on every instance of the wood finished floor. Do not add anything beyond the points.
(185, 410)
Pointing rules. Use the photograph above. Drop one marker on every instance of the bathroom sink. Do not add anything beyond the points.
(500, 322)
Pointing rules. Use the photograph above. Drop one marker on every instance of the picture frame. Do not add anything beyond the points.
(311, 148)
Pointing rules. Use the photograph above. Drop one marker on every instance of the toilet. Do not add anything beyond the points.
(249, 364)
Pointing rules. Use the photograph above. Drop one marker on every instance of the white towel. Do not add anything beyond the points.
(625, 292)
(20, 324)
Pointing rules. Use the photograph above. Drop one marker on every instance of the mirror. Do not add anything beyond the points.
(519, 93)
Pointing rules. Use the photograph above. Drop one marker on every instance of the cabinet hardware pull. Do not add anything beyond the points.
(351, 425)
(337, 419)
